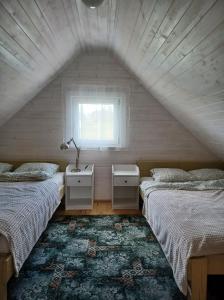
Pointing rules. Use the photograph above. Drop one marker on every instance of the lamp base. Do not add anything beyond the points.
(76, 170)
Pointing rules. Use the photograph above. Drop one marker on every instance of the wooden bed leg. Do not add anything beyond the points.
(3, 291)
(6, 272)
(3, 281)
(199, 278)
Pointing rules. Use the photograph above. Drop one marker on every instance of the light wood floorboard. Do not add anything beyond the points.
(99, 208)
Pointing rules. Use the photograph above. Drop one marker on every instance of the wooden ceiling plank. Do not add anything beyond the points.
(212, 43)
(14, 62)
(214, 106)
(196, 121)
(8, 75)
(15, 49)
(16, 33)
(112, 6)
(158, 15)
(187, 99)
(102, 24)
(173, 17)
(92, 25)
(53, 11)
(207, 72)
(74, 33)
(189, 20)
(206, 100)
(114, 24)
(78, 17)
(140, 27)
(83, 18)
(205, 48)
(192, 17)
(122, 29)
(126, 28)
(33, 11)
(209, 79)
(202, 64)
(73, 19)
(20, 17)
(215, 15)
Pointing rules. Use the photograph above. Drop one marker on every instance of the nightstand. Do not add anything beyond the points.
(79, 191)
(125, 187)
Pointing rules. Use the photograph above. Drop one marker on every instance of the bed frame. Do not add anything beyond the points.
(6, 260)
(199, 267)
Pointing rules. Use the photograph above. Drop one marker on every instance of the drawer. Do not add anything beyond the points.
(78, 180)
(126, 180)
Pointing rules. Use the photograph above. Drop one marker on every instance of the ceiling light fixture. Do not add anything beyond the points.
(92, 3)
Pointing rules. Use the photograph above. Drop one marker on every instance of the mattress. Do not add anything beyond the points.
(187, 220)
(58, 178)
(143, 186)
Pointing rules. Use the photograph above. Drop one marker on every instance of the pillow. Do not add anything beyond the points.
(4, 167)
(171, 175)
(49, 168)
(24, 176)
(207, 174)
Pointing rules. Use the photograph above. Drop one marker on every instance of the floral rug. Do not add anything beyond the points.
(100, 257)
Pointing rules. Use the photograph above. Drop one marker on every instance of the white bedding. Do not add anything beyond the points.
(187, 223)
(59, 179)
(143, 184)
(18, 234)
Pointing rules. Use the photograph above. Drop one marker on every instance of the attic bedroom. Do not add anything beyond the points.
(111, 149)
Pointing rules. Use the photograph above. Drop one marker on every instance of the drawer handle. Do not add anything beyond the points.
(78, 181)
(125, 181)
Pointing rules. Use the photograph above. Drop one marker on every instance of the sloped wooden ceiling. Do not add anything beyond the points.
(176, 48)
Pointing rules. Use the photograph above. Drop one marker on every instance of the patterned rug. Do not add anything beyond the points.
(103, 257)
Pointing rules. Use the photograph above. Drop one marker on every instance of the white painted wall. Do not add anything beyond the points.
(36, 131)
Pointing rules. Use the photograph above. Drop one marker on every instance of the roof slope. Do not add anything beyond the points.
(175, 47)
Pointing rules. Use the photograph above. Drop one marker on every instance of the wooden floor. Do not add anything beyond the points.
(99, 208)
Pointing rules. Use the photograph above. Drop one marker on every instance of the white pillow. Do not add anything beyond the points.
(49, 168)
(24, 176)
(207, 174)
(171, 175)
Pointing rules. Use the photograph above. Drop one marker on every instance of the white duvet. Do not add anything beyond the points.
(25, 209)
(187, 219)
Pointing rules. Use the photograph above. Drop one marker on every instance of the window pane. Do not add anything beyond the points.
(96, 122)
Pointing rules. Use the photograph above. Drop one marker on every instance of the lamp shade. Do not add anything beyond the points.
(64, 146)
(92, 3)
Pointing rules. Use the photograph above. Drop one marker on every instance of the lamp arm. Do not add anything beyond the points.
(76, 147)
(78, 152)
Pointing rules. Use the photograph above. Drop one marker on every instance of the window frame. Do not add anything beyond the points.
(76, 124)
(105, 94)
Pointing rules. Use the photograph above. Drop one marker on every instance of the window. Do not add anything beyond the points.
(97, 121)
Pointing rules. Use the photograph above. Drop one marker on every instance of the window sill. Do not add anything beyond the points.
(101, 149)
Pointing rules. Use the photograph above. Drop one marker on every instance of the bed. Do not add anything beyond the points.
(190, 231)
(28, 216)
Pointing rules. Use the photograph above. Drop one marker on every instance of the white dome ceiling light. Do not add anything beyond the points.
(92, 3)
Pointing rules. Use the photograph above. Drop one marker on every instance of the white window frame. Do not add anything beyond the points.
(71, 116)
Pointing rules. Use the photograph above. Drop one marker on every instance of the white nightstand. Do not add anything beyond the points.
(79, 190)
(125, 186)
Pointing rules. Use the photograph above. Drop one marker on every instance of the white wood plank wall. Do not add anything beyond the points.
(36, 131)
